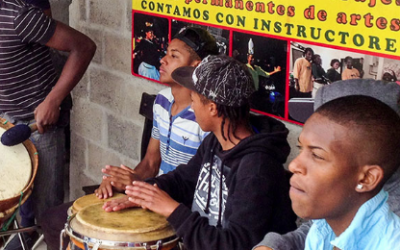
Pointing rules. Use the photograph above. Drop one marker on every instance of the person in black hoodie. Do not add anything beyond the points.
(234, 189)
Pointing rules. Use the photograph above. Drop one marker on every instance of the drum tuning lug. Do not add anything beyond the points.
(97, 245)
(62, 239)
(147, 246)
(159, 245)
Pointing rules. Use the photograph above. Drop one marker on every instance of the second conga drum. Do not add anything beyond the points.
(133, 228)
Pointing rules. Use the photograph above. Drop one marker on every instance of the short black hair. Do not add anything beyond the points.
(377, 124)
(315, 56)
(334, 61)
(347, 58)
(306, 50)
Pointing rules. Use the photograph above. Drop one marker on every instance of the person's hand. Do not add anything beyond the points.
(105, 190)
(118, 204)
(151, 197)
(263, 248)
(296, 85)
(277, 69)
(46, 114)
(119, 177)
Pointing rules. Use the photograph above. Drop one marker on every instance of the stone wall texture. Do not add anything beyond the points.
(106, 126)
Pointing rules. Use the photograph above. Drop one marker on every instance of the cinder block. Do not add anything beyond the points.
(134, 90)
(129, 15)
(98, 158)
(97, 37)
(124, 136)
(81, 89)
(107, 90)
(77, 165)
(117, 51)
(107, 13)
(87, 120)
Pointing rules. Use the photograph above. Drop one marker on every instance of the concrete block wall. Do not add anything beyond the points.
(105, 125)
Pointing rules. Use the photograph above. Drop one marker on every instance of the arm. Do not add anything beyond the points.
(150, 165)
(81, 49)
(291, 241)
(264, 73)
(296, 73)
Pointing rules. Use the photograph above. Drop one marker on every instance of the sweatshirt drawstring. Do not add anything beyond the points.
(219, 224)
(207, 209)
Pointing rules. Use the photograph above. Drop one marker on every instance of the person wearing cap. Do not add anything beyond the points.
(175, 137)
(150, 54)
(234, 189)
(388, 93)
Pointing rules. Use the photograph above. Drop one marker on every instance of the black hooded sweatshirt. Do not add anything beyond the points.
(255, 191)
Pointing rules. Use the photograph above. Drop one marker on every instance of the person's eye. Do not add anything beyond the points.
(316, 156)
(299, 147)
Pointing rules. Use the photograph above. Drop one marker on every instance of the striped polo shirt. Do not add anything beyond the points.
(179, 135)
(27, 73)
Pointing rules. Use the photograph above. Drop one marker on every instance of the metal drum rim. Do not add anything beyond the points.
(110, 243)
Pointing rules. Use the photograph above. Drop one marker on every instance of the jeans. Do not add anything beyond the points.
(48, 189)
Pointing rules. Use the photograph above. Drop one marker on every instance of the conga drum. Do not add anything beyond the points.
(88, 200)
(134, 228)
(18, 168)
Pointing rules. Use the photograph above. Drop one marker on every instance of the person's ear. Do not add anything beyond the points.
(370, 177)
(212, 107)
(195, 63)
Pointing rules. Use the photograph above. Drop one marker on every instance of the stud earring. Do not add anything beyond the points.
(359, 186)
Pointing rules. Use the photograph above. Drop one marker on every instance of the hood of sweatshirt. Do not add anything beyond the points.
(270, 137)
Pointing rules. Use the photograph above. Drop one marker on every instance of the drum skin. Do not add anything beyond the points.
(12, 203)
(91, 199)
(134, 225)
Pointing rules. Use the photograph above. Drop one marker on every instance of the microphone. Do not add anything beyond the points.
(18, 134)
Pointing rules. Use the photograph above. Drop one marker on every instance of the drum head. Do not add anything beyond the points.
(25, 184)
(91, 199)
(129, 225)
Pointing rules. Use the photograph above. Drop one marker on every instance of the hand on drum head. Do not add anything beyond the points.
(105, 190)
(151, 197)
(120, 177)
(118, 204)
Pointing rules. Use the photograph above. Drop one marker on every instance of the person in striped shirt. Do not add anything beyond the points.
(31, 91)
(176, 135)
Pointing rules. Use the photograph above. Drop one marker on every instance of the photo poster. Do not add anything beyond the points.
(348, 38)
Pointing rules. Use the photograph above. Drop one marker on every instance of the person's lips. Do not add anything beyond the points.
(295, 187)
(162, 70)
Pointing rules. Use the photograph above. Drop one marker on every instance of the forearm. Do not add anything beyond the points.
(147, 168)
(81, 52)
